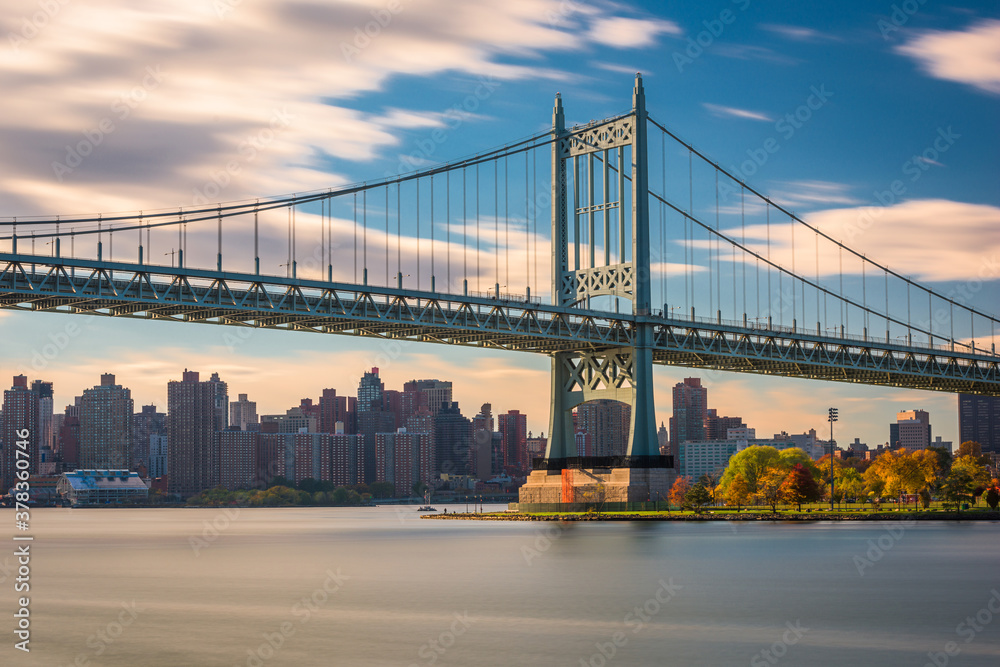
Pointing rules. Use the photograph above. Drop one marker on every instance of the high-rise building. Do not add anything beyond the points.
(403, 459)
(106, 426)
(243, 413)
(69, 436)
(195, 412)
(452, 441)
(46, 434)
(370, 390)
(333, 409)
(237, 457)
(911, 431)
(146, 424)
(716, 427)
(438, 393)
(979, 421)
(690, 410)
(482, 443)
(663, 440)
(606, 423)
(295, 420)
(156, 465)
(536, 446)
(20, 425)
(347, 459)
(373, 418)
(513, 427)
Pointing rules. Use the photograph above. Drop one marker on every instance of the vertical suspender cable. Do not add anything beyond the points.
(387, 283)
(478, 286)
(496, 223)
(432, 231)
(506, 222)
(364, 233)
(447, 226)
(355, 239)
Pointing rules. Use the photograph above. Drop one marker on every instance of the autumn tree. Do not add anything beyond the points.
(739, 491)
(800, 486)
(993, 497)
(769, 486)
(677, 492)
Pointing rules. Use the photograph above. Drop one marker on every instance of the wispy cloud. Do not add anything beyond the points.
(970, 56)
(219, 92)
(797, 33)
(811, 193)
(723, 111)
(630, 33)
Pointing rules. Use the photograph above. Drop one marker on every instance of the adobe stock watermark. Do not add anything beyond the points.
(302, 611)
(121, 108)
(968, 629)
(877, 548)
(32, 26)
(786, 127)
(432, 650)
(544, 539)
(898, 17)
(100, 641)
(48, 352)
(365, 34)
(247, 149)
(454, 117)
(635, 620)
(776, 651)
(914, 167)
(212, 530)
(713, 30)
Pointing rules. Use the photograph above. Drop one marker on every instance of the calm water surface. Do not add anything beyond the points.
(379, 586)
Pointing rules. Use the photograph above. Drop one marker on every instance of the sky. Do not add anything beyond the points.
(181, 101)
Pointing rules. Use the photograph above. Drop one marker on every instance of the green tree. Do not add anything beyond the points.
(382, 489)
(751, 464)
(959, 486)
(800, 486)
(697, 497)
(849, 483)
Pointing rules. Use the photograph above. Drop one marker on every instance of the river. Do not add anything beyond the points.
(380, 586)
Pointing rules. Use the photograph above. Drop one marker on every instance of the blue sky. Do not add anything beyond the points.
(183, 88)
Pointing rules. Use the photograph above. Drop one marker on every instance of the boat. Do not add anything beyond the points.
(426, 508)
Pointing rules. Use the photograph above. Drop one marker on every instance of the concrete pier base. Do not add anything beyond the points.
(578, 489)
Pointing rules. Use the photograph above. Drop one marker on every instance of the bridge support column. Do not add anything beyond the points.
(623, 374)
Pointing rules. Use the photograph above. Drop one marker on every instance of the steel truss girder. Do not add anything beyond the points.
(238, 300)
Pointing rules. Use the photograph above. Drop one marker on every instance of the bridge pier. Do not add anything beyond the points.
(624, 373)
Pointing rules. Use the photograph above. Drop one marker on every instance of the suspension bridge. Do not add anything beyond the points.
(655, 254)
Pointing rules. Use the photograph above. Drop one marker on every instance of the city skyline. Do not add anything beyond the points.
(237, 398)
(891, 90)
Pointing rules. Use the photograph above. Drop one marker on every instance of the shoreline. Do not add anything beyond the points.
(649, 516)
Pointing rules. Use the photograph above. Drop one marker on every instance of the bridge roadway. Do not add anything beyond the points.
(116, 289)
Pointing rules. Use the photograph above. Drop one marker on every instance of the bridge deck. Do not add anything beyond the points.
(192, 295)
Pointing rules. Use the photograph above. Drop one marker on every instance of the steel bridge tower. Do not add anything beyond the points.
(625, 373)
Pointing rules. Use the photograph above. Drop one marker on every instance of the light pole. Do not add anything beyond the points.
(832, 418)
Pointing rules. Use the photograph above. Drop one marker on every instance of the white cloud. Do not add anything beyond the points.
(971, 56)
(163, 95)
(722, 111)
(926, 239)
(629, 33)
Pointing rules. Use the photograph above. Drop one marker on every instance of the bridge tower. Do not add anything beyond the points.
(600, 248)
(622, 374)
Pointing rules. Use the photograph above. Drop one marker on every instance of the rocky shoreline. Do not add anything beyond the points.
(729, 516)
